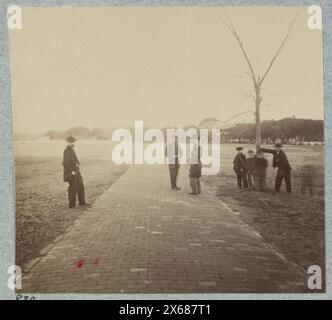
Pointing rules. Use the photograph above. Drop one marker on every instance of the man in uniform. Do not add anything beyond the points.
(71, 174)
(280, 161)
(240, 168)
(173, 153)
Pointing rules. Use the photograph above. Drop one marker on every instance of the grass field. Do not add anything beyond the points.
(42, 211)
(292, 223)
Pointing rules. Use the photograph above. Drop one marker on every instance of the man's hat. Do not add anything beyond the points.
(70, 139)
(278, 143)
(239, 148)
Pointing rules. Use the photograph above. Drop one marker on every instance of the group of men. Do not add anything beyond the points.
(72, 175)
(173, 153)
(251, 171)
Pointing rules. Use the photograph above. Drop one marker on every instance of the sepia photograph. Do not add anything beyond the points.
(168, 149)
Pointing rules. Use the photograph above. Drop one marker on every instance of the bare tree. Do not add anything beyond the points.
(256, 79)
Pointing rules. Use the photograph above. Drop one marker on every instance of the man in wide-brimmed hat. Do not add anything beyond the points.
(240, 168)
(280, 161)
(72, 175)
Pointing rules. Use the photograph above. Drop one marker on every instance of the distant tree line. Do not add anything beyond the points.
(97, 133)
(80, 133)
(290, 130)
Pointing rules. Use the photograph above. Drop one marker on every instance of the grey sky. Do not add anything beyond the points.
(107, 67)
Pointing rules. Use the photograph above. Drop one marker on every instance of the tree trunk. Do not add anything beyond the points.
(256, 79)
(258, 117)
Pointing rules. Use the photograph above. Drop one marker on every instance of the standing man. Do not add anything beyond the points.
(71, 174)
(250, 169)
(173, 154)
(260, 166)
(307, 176)
(240, 168)
(195, 171)
(280, 161)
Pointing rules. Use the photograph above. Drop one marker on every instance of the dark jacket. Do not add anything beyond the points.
(173, 153)
(195, 170)
(250, 164)
(70, 163)
(280, 161)
(260, 165)
(240, 163)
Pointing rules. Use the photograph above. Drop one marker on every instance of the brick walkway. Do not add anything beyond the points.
(142, 237)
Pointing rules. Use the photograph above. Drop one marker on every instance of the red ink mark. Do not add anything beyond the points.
(96, 263)
(79, 264)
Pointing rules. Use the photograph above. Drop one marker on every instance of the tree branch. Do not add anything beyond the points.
(233, 30)
(237, 115)
(279, 50)
(230, 26)
(275, 94)
(223, 22)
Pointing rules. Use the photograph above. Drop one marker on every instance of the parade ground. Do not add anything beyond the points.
(142, 237)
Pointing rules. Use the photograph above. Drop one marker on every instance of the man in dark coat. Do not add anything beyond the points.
(307, 175)
(173, 154)
(195, 171)
(250, 169)
(240, 168)
(259, 171)
(280, 161)
(72, 175)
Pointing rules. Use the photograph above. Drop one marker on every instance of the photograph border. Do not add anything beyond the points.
(7, 187)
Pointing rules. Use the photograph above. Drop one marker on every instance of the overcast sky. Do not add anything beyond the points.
(107, 67)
